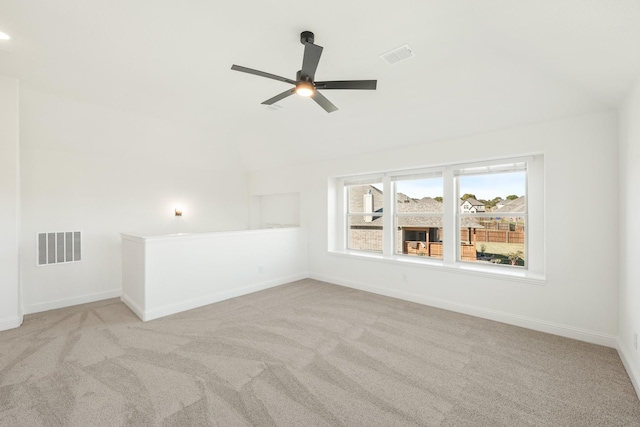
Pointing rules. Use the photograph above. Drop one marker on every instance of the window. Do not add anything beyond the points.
(364, 216)
(486, 216)
(418, 214)
(488, 233)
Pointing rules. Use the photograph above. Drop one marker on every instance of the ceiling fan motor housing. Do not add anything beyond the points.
(301, 78)
(306, 37)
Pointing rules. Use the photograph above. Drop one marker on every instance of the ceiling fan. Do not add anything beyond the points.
(305, 84)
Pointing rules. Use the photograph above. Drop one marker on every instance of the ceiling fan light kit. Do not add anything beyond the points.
(305, 84)
(304, 89)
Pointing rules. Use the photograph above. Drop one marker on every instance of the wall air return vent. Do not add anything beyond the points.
(59, 247)
(398, 54)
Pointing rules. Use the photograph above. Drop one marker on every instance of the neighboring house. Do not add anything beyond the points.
(471, 205)
(512, 206)
(509, 212)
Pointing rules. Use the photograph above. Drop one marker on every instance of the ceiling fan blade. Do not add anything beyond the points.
(310, 60)
(262, 74)
(348, 84)
(323, 102)
(277, 98)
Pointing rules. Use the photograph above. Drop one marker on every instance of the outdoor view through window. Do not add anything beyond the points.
(491, 215)
(419, 216)
(364, 217)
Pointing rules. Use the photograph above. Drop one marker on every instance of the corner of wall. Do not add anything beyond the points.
(634, 374)
(629, 233)
(10, 309)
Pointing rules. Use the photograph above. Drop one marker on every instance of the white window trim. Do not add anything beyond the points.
(535, 242)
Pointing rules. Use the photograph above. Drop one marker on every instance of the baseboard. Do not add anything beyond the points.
(10, 323)
(156, 313)
(137, 310)
(627, 361)
(508, 318)
(67, 302)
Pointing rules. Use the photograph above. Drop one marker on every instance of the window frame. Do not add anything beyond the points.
(535, 265)
(395, 177)
(348, 184)
(492, 169)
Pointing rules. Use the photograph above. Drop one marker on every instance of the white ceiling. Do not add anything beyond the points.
(480, 65)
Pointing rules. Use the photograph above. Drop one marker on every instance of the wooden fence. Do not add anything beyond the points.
(499, 236)
(434, 250)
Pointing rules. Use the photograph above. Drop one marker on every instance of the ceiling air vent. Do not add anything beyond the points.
(398, 54)
(59, 247)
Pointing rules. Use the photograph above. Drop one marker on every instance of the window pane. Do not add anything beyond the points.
(490, 192)
(494, 240)
(419, 235)
(419, 195)
(496, 235)
(365, 198)
(365, 233)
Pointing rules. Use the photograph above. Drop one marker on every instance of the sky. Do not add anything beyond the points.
(483, 186)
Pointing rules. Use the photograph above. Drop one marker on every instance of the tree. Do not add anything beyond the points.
(512, 197)
(468, 196)
(438, 198)
(492, 203)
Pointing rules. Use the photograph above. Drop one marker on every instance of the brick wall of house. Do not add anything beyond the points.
(366, 239)
(370, 239)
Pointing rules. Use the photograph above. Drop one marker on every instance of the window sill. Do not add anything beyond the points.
(495, 272)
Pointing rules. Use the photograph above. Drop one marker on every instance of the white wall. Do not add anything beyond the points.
(580, 298)
(274, 210)
(104, 171)
(210, 267)
(630, 233)
(10, 312)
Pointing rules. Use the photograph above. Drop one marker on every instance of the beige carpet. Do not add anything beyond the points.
(303, 354)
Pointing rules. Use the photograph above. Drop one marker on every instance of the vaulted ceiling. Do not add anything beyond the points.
(480, 65)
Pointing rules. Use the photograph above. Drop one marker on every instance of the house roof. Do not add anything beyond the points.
(404, 205)
(472, 201)
(167, 60)
(409, 205)
(512, 206)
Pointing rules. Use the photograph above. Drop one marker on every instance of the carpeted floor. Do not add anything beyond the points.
(303, 354)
